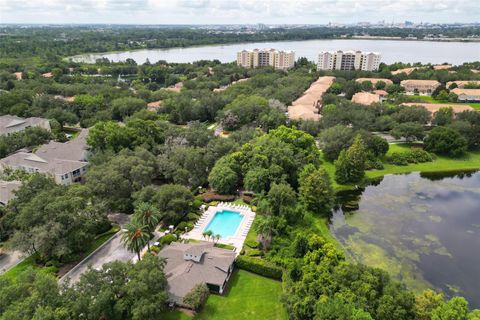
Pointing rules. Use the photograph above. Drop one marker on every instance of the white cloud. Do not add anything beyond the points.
(228, 11)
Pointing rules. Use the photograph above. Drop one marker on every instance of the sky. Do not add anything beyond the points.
(236, 11)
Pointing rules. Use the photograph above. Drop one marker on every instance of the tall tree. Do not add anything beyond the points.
(350, 166)
(316, 191)
(149, 216)
(135, 237)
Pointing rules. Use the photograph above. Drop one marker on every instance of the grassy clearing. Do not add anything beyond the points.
(429, 99)
(470, 161)
(249, 296)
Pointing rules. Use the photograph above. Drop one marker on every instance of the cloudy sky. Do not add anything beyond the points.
(236, 11)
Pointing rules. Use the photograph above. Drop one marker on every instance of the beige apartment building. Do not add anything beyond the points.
(423, 87)
(467, 95)
(282, 60)
(348, 60)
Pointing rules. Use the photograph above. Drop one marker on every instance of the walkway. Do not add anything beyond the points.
(112, 250)
(9, 260)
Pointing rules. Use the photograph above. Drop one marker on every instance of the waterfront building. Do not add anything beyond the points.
(282, 60)
(348, 60)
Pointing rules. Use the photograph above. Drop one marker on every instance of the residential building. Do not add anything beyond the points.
(189, 264)
(366, 98)
(12, 124)
(374, 80)
(434, 107)
(282, 60)
(423, 87)
(7, 189)
(65, 162)
(407, 71)
(464, 95)
(348, 60)
(442, 67)
(308, 106)
(463, 83)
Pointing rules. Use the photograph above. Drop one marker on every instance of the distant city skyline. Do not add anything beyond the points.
(236, 12)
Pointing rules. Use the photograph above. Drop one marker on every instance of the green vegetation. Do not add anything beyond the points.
(430, 99)
(249, 297)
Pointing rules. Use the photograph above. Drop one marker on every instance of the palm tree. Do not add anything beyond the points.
(265, 227)
(218, 236)
(149, 216)
(135, 237)
(209, 234)
(204, 234)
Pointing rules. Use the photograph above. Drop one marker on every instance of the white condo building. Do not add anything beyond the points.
(281, 60)
(348, 60)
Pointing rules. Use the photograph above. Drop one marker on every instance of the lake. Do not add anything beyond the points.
(424, 229)
(391, 51)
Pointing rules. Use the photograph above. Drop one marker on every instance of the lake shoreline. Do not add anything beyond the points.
(79, 56)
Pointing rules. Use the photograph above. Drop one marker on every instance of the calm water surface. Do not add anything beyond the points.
(423, 229)
(391, 50)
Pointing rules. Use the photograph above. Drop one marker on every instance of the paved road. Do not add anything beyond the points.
(112, 251)
(9, 260)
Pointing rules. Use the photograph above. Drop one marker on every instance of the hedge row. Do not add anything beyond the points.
(259, 266)
(411, 156)
(211, 196)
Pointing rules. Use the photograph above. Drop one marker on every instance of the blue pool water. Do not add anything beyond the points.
(225, 223)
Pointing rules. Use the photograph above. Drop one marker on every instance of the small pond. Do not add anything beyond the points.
(424, 229)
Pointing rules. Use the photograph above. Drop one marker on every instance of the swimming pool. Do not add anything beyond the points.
(225, 223)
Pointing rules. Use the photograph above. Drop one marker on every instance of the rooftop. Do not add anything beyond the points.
(366, 98)
(184, 274)
(6, 190)
(434, 107)
(374, 80)
(469, 92)
(419, 82)
(9, 124)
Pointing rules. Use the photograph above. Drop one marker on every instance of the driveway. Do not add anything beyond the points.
(113, 250)
(9, 260)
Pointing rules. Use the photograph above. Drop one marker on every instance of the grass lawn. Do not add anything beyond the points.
(429, 99)
(175, 315)
(470, 161)
(249, 296)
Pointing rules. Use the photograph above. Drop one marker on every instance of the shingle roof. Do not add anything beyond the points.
(365, 98)
(434, 107)
(54, 158)
(469, 92)
(462, 83)
(183, 275)
(9, 124)
(374, 80)
(6, 190)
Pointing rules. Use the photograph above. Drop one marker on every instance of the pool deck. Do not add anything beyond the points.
(236, 240)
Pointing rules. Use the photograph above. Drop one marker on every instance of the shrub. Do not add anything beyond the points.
(252, 244)
(446, 141)
(254, 253)
(167, 239)
(197, 297)
(212, 196)
(259, 266)
(155, 249)
(411, 156)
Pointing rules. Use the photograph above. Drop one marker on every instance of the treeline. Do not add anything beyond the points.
(48, 42)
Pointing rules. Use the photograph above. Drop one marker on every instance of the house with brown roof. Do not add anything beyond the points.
(65, 162)
(404, 70)
(154, 105)
(463, 83)
(374, 80)
(442, 67)
(12, 124)
(366, 98)
(47, 75)
(434, 107)
(18, 75)
(465, 95)
(190, 264)
(423, 87)
(308, 106)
